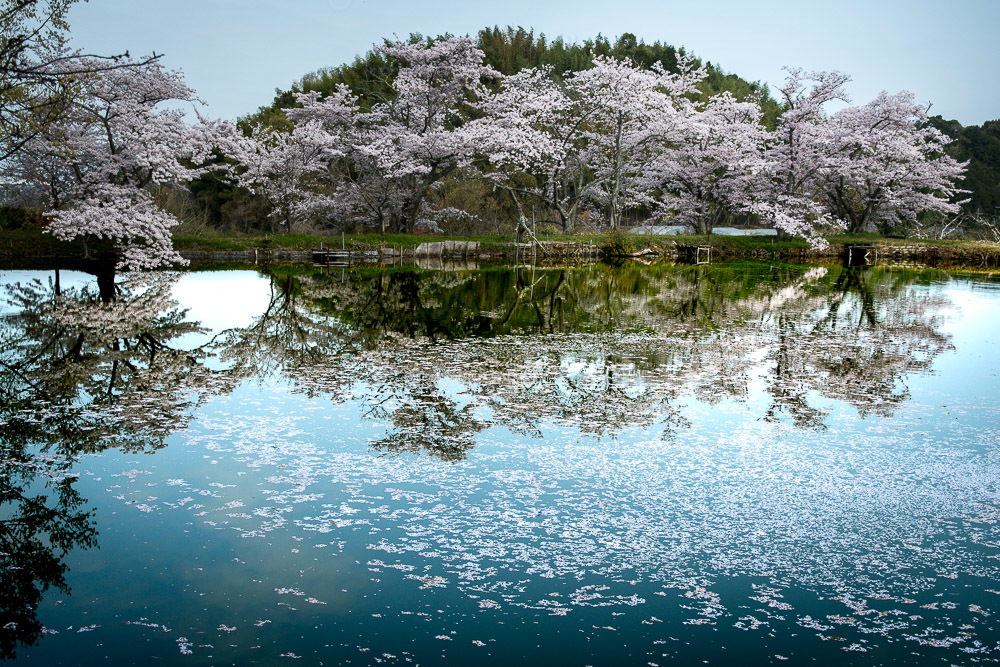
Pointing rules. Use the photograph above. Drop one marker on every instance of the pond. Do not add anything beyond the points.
(648, 465)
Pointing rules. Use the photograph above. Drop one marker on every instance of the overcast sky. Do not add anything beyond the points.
(236, 52)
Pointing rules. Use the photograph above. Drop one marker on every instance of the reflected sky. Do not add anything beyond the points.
(221, 300)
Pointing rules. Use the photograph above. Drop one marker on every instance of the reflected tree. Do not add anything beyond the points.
(600, 348)
(79, 374)
(425, 418)
(287, 335)
(43, 519)
(605, 347)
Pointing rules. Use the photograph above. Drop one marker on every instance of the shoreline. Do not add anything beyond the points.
(30, 246)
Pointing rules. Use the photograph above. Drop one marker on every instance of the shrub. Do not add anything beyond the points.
(617, 244)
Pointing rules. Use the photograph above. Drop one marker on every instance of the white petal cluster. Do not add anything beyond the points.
(122, 137)
(617, 138)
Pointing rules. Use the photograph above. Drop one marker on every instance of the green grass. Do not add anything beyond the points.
(926, 243)
(32, 242)
(235, 242)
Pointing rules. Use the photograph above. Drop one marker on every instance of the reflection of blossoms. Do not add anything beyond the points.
(855, 341)
(85, 375)
(608, 348)
(143, 298)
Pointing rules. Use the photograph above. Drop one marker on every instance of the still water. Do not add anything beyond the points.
(731, 464)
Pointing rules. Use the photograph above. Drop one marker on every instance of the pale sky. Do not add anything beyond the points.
(236, 52)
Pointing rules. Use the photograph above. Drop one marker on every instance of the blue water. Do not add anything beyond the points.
(768, 476)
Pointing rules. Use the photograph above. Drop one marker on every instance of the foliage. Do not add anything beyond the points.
(510, 50)
(93, 168)
(979, 145)
(39, 75)
(403, 144)
(617, 243)
(14, 217)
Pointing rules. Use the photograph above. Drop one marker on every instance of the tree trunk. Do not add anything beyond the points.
(614, 203)
(410, 210)
(105, 273)
(569, 224)
(407, 220)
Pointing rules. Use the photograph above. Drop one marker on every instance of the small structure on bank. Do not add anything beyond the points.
(694, 254)
(860, 254)
(661, 230)
(736, 231)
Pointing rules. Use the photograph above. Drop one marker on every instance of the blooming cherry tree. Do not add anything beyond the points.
(38, 71)
(802, 149)
(890, 165)
(711, 169)
(405, 143)
(358, 190)
(631, 113)
(533, 140)
(94, 170)
(288, 170)
(584, 139)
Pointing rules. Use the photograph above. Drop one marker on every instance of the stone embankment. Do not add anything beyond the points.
(979, 255)
(971, 254)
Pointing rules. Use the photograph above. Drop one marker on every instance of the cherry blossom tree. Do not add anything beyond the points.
(38, 72)
(290, 170)
(358, 190)
(802, 150)
(95, 168)
(532, 139)
(584, 139)
(632, 113)
(890, 165)
(880, 163)
(407, 141)
(711, 169)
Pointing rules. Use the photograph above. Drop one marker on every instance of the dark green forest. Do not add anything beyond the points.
(980, 146)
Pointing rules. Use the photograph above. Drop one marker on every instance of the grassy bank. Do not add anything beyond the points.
(33, 243)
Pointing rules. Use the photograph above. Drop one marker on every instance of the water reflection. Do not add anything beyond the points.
(435, 359)
(855, 341)
(79, 373)
(43, 519)
(441, 356)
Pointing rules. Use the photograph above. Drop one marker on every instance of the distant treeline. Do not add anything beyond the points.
(509, 50)
(980, 146)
